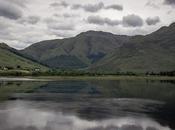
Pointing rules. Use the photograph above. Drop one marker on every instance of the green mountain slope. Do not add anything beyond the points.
(9, 58)
(106, 52)
(154, 52)
(78, 52)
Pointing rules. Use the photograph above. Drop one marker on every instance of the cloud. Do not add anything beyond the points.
(153, 20)
(62, 3)
(61, 34)
(76, 6)
(169, 2)
(132, 21)
(3, 25)
(96, 7)
(21, 3)
(93, 8)
(69, 15)
(54, 24)
(115, 7)
(96, 20)
(10, 10)
(4, 29)
(61, 26)
(89, 7)
(152, 4)
(33, 19)
(127, 21)
(30, 20)
(101, 21)
(66, 15)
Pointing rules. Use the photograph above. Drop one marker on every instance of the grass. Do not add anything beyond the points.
(12, 60)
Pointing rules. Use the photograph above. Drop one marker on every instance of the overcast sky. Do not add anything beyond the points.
(23, 22)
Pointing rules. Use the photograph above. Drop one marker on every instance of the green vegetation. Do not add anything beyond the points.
(12, 62)
(69, 72)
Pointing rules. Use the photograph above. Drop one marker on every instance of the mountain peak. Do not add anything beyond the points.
(94, 33)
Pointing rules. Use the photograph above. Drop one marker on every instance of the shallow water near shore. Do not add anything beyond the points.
(87, 105)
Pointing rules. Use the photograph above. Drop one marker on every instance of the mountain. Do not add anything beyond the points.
(151, 53)
(77, 52)
(102, 51)
(11, 58)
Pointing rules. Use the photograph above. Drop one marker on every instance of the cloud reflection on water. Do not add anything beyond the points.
(21, 115)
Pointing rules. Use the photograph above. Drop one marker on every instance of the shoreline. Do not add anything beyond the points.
(106, 77)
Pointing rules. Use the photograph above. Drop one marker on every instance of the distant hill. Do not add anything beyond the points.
(106, 52)
(11, 59)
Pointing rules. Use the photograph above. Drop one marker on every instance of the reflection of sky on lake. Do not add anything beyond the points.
(27, 115)
(87, 105)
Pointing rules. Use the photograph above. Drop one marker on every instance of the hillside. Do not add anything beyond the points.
(152, 53)
(106, 52)
(79, 52)
(10, 59)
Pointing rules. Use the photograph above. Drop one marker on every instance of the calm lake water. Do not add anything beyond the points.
(87, 105)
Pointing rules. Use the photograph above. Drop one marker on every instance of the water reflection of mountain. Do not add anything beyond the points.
(155, 90)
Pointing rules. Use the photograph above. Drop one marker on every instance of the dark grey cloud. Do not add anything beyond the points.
(96, 20)
(101, 21)
(62, 3)
(10, 10)
(127, 21)
(132, 21)
(76, 6)
(96, 7)
(115, 7)
(89, 7)
(152, 20)
(93, 8)
(169, 2)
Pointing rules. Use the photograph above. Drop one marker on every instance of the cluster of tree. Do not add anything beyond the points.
(166, 73)
(60, 72)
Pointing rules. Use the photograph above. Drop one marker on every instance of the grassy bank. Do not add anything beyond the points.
(107, 77)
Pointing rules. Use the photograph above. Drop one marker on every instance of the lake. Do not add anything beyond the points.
(87, 104)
